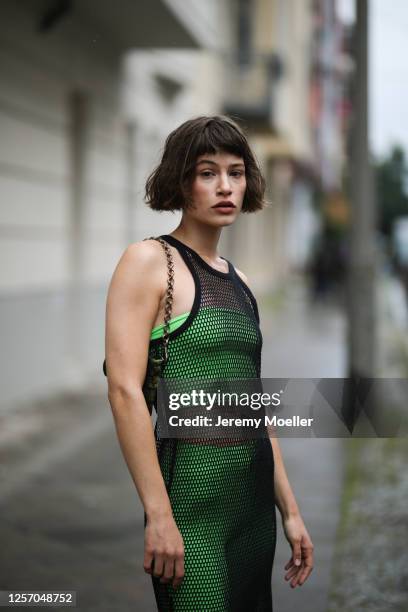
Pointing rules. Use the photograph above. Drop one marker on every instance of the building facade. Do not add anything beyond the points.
(67, 174)
(269, 90)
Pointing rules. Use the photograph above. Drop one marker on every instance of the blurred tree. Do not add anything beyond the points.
(392, 189)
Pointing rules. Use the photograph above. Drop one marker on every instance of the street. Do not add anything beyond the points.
(71, 518)
(308, 343)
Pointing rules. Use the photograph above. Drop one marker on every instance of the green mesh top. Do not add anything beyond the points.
(222, 495)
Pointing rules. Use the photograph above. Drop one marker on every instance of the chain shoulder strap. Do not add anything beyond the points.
(168, 306)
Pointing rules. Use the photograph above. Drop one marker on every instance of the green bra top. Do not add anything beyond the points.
(174, 323)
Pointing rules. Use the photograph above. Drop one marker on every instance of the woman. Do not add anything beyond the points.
(210, 526)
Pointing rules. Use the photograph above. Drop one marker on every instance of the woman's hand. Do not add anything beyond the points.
(300, 565)
(164, 550)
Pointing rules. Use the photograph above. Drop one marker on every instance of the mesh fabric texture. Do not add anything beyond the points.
(221, 492)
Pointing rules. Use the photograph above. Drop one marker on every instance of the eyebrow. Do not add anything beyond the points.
(208, 161)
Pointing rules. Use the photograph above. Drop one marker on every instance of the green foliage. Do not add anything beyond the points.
(392, 188)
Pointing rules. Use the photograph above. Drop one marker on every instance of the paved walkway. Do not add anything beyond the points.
(307, 341)
(71, 518)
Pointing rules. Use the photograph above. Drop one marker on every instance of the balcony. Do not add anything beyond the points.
(250, 90)
(156, 23)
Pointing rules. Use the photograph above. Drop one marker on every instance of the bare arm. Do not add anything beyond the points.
(284, 497)
(133, 299)
(300, 564)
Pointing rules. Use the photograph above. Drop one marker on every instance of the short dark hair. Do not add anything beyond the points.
(169, 185)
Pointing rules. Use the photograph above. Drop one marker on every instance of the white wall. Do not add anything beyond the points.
(42, 319)
(198, 75)
(292, 32)
(61, 238)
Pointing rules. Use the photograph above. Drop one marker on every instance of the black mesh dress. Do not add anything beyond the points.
(222, 495)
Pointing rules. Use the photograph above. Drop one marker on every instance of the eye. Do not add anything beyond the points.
(237, 173)
(207, 173)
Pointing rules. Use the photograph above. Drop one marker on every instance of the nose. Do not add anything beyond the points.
(224, 185)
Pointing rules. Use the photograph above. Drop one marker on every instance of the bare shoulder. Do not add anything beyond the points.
(145, 252)
(242, 276)
(142, 263)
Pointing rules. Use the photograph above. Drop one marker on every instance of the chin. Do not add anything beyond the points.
(222, 222)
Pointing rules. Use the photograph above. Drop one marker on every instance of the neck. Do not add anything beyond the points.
(201, 238)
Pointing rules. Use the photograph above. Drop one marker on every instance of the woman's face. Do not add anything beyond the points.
(218, 189)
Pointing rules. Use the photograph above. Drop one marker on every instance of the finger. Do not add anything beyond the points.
(148, 562)
(178, 571)
(158, 566)
(291, 568)
(307, 565)
(295, 579)
(305, 574)
(289, 564)
(291, 573)
(297, 553)
(168, 572)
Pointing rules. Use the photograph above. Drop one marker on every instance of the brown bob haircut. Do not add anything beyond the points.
(168, 188)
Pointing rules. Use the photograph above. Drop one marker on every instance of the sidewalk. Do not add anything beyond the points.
(307, 341)
(371, 568)
(71, 518)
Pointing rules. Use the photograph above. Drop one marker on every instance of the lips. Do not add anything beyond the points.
(224, 204)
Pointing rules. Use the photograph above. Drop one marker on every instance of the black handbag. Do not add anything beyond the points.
(155, 365)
